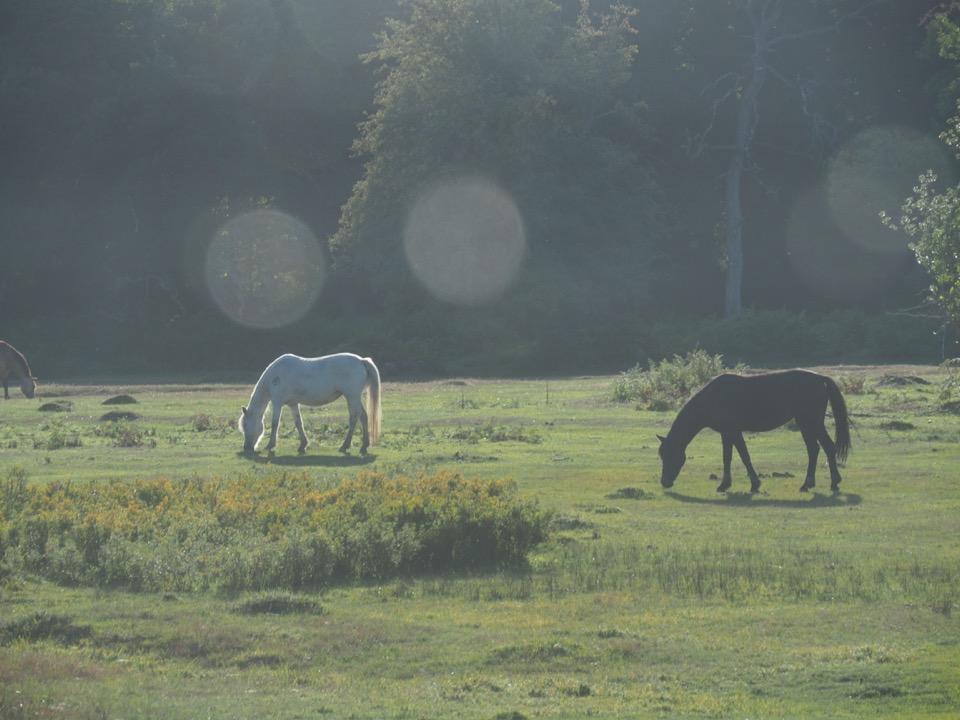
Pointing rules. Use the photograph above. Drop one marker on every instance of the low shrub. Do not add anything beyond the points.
(279, 532)
(667, 385)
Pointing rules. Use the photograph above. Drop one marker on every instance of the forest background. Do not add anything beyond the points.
(454, 186)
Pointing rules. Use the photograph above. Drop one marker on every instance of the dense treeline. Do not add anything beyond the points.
(198, 185)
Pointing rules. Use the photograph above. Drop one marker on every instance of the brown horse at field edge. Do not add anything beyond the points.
(734, 404)
(12, 362)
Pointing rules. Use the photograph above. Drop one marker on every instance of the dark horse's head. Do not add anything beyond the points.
(673, 457)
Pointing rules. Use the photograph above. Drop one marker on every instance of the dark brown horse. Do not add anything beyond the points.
(734, 404)
(13, 363)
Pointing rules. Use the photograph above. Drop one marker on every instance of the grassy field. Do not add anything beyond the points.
(642, 603)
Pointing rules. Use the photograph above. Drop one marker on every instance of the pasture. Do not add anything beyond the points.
(641, 602)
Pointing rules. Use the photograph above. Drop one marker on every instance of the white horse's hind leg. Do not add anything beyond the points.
(298, 420)
(366, 432)
(355, 409)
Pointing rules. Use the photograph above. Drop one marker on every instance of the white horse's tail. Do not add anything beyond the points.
(373, 400)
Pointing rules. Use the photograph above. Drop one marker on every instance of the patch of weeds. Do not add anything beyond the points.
(562, 521)
(898, 425)
(258, 658)
(852, 384)
(877, 692)
(461, 457)
(599, 509)
(205, 422)
(118, 415)
(537, 652)
(492, 432)
(15, 488)
(610, 633)
(120, 400)
(56, 436)
(57, 406)
(279, 604)
(578, 690)
(630, 493)
(125, 434)
(41, 626)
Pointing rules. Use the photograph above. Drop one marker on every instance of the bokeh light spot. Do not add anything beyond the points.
(465, 241)
(264, 269)
(875, 172)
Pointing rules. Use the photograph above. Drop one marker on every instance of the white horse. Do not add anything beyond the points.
(291, 380)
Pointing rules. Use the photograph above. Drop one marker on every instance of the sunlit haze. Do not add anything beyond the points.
(264, 269)
(465, 241)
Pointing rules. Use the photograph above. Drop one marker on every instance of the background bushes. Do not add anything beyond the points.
(501, 341)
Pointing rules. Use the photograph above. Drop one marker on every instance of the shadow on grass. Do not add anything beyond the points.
(744, 499)
(305, 461)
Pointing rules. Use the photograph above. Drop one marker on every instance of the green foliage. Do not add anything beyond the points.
(933, 219)
(503, 90)
(281, 531)
(668, 384)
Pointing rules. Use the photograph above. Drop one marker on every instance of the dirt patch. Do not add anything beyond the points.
(120, 400)
(57, 406)
(901, 381)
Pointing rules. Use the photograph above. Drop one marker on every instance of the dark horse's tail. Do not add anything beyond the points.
(841, 419)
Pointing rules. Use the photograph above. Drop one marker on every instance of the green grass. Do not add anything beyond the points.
(643, 603)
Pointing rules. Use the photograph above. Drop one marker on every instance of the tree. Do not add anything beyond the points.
(932, 217)
(763, 31)
(504, 90)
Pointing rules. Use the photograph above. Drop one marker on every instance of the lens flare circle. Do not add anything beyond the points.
(465, 241)
(264, 269)
(874, 172)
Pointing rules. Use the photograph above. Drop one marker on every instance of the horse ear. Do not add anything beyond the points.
(243, 407)
(662, 439)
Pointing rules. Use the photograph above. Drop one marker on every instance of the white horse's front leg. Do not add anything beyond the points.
(298, 420)
(275, 425)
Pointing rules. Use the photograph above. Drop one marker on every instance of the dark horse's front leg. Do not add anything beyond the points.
(731, 440)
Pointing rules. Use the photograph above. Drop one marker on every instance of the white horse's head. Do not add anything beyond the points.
(28, 386)
(252, 428)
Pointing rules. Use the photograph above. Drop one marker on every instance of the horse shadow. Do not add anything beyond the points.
(812, 500)
(307, 461)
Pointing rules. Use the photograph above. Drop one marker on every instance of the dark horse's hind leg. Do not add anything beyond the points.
(814, 439)
(731, 440)
(830, 448)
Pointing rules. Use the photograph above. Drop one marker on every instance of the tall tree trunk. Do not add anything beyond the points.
(764, 21)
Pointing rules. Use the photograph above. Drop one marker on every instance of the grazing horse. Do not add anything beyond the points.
(291, 380)
(734, 404)
(12, 362)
